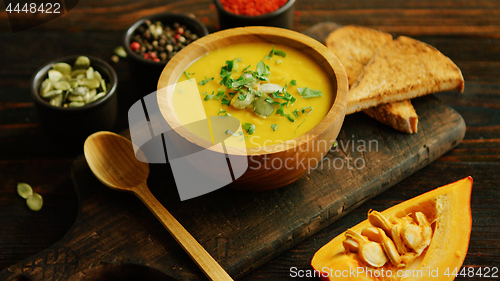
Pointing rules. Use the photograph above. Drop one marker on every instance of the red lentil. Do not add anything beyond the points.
(252, 7)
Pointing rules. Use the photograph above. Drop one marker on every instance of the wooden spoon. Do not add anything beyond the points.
(111, 158)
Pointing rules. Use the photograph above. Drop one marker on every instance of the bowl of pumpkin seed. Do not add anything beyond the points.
(75, 96)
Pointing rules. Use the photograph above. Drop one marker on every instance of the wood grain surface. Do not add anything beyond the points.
(466, 31)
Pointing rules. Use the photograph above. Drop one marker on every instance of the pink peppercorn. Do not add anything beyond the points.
(135, 46)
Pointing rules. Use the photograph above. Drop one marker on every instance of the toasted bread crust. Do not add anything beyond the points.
(355, 46)
(400, 115)
(403, 69)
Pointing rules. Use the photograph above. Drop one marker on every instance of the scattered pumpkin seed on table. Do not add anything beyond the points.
(73, 86)
(24, 190)
(34, 202)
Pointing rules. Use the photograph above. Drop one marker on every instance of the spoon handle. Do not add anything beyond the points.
(201, 257)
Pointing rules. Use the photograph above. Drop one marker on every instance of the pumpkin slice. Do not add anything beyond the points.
(448, 210)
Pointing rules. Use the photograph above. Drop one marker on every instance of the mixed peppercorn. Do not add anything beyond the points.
(158, 42)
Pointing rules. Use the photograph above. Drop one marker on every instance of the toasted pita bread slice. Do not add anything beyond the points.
(355, 46)
(400, 115)
(403, 69)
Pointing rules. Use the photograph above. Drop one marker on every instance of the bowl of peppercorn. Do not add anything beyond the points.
(153, 40)
(277, 13)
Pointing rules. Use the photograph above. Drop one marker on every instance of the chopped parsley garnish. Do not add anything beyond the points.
(293, 82)
(290, 117)
(238, 83)
(242, 97)
(203, 82)
(250, 128)
(309, 93)
(188, 75)
(274, 127)
(304, 109)
(262, 71)
(296, 113)
(223, 113)
(278, 62)
(300, 125)
(275, 52)
(220, 95)
(246, 68)
(208, 97)
(225, 101)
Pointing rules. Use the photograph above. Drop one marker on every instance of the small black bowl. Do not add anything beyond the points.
(146, 72)
(70, 126)
(283, 17)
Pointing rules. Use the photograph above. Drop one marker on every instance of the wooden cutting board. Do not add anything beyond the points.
(115, 236)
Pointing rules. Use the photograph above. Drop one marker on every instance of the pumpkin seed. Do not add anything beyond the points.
(120, 51)
(90, 73)
(52, 94)
(82, 62)
(46, 86)
(34, 202)
(372, 233)
(389, 248)
(76, 98)
(396, 237)
(262, 108)
(62, 67)
(103, 85)
(98, 96)
(76, 104)
(379, 220)
(90, 95)
(78, 72)
(55, 75)
(57, 100)
(97, 76)
(24, 190)
(90, 83)
(350, 245)
(412, 236)
(238, 103)
(373, 254)
(62, 85)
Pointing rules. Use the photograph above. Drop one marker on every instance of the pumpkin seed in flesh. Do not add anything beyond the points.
(24, 190)
(34, 202)
(373, 254)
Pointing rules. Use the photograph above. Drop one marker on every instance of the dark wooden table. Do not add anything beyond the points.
(466, 31)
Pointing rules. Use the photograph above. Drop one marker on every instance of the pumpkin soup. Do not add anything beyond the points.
(276, 92)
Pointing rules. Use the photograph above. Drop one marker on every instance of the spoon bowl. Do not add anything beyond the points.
(111, 158)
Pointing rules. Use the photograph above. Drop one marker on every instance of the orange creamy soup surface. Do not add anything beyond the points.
(276, 92)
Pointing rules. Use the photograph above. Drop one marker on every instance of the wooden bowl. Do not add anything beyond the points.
(307, 149)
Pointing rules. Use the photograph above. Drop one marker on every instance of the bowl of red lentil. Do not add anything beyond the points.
(153, 40)
(239, 13)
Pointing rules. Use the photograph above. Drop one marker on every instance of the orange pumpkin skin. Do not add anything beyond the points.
(448, 206)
